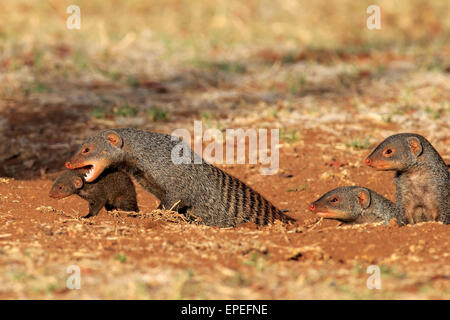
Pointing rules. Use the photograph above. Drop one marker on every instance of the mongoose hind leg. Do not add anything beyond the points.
(110, 207)
(432, 212)
(94, 208)
(126, 204)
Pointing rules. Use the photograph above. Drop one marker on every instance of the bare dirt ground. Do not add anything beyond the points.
(333, 92)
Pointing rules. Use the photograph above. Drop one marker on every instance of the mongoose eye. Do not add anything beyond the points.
(334, 200)
(86, 150)
(388, 152)
(60, 187)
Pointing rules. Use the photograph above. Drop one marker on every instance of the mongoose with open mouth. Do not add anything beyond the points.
(190, 185)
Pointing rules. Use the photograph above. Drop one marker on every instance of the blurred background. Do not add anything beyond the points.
(159, 65)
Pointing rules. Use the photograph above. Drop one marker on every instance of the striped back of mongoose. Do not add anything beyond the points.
(191, 186)
(243, 204)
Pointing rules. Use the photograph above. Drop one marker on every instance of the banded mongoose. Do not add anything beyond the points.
(422, 179)
(191, 186)
(113, 190)
(354, 204)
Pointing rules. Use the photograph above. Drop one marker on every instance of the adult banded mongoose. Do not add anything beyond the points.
(197, 188)
(354, 204)
(113, 190)
(422, 179)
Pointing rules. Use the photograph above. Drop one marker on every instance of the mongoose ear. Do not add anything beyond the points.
(78, 182)
(415, 145)
(114, 139)
(364, 198)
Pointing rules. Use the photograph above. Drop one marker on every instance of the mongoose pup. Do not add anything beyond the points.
(354, 204)
(422, 179)
(113, 190)
(195, 187)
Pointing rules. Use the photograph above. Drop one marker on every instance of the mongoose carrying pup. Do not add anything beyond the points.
(112, 190)
(197, 188)
(354, 204)
(422, 179)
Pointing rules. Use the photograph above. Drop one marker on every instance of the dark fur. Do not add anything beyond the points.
(422, 180)
(202, 189)
(112, 190)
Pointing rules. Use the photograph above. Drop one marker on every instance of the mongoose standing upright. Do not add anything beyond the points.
(354, 204)
(113, 190)
(197, 188)
(422, 179)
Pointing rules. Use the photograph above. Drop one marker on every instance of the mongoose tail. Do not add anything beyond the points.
(354, 204)
(422, 178)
